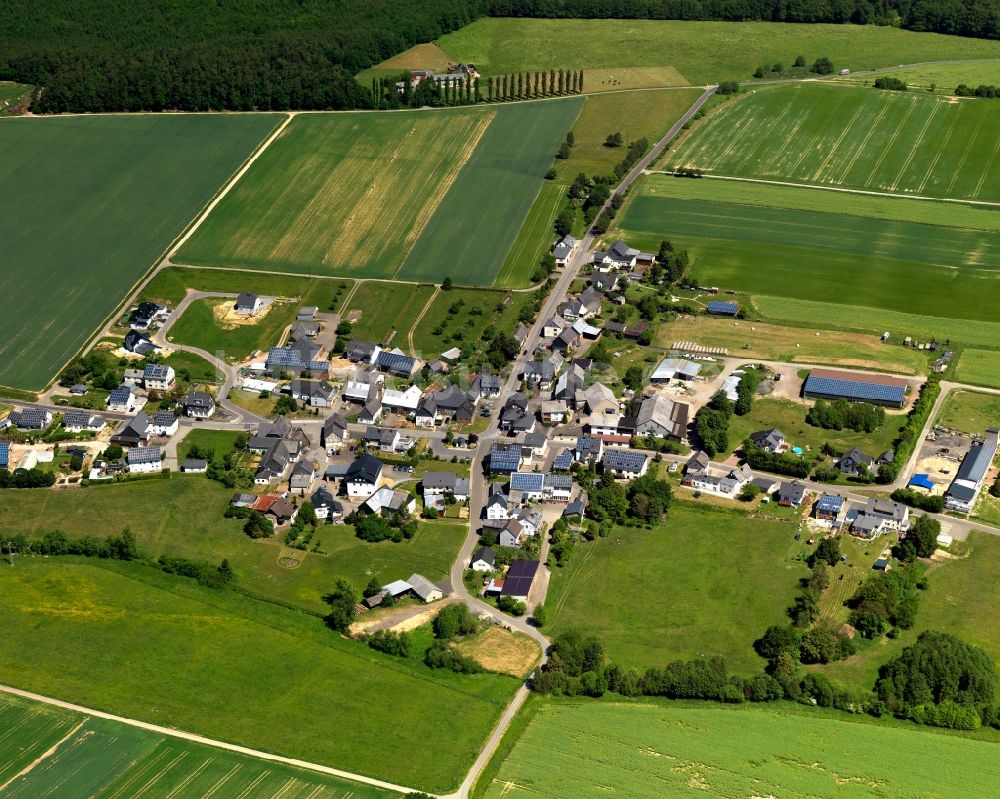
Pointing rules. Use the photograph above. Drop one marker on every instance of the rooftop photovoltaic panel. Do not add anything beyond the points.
(519, 578)
(527, 481)
(623, 459)
(143, 455)
(858, 390)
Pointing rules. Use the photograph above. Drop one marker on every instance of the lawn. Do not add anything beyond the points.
(981, 367)
(469, 234)
(790, 418)
(535, 238)
(201, 326)
(219, 441)
(183, 516)
(792, 344)
(955, 586)
(702, 52)
(702, 594)
(635, 115)
(105, 636)
(590, 748)
(104, 759)
(875, 320)
(476, 313)
(389, 195)
(907, 143)
(388, 312)
(969, 411)
(899, 266)
(192, 369)
(99, 199)
(171, 284)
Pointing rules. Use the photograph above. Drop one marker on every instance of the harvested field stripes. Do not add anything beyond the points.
(905, 143)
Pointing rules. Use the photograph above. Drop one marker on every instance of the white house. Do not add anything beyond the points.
(483, 560)
(82, 421)
(122, 400)
(198, 404)
(164, 423)
(625, 464)
(497, 508)
(143, 459)
(363, 477)
(158, 377)
(405, 402)
(248, 303)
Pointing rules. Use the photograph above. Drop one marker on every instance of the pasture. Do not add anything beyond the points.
(702, 52)
(11, 94)
(792, 344)
(646, 750)
(314, 695)
(388, 195)
(899, 142)
(99, 200)
(67, 753)
(687, 588)
(969, 411)
(472, 229)
(980, 367)
(812, 255)
(388, 311)
(945, 77)
(189, 523)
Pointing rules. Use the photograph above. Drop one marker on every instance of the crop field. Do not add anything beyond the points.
(473, 228)
(981, 367)
(635, 115)
(969, 411)
(534, 239)
(99, 199)
(687, 588)
(702, 52)
(189, 523)
(893, 265)
(314, 694)
(387, 311)
(792, 344)
(589, 749)
(388, 195)
(906, 143)
(70, 754)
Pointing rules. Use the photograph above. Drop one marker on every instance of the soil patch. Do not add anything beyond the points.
(502, 651)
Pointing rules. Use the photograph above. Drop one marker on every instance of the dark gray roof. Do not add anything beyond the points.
(977, 460)
(485, 554)
(623, 459)
(365, 469)
(191, 464)
(137, 455)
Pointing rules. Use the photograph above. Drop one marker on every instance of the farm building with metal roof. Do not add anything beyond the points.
(831, 384)
(721, 308)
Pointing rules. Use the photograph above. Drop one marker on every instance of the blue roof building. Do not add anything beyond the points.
(4, 454)
(528, 482)
(830, 384)
(505, 457)
(721, 308)
(921, 481)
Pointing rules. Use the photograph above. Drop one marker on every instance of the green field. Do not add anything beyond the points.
(11, 93)
(981, 367)
(188, 522)
(945, 76)
(199, 327)
(534, 239)
(171, 284)
(906, 143)
(388, 311)
(687, 588)
(389, 195)
(969, 411)
(703, 52)
(99, 199)
(104, 759)
(591, 749)
(198, 659)
(440, 330)
(895, 265)
(191, 368)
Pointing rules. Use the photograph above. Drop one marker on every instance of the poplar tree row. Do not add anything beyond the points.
(466, 90)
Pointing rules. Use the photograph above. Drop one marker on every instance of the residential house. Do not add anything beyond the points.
(403, 402)
(771, 440)
(133, 377)
(302, 476)
(880, 516)
(454, 405)
(282, 511)
(563, 250)
(530, 520)
(326, 505)
(133, 433)
(537, 444)
(363, 476)
(387, 501)
(123, 400)
(539, 374)
(505, 458)
(855, 462)
(726, 482)
(145, 314)
(198, 404)
(82, 421)
(577, 509)
(514, 416)
(158, 377)
(791, 493)
(597, 399)
(143, 459)
(530, 484)
(828, 508)
(483, 560)
(164, 424)
(361, 351)
(662, 417)
(315, 393)
(370, 412)
(559, 487)
(618, 256)
(396, 363)
(303, 330)
(335, 433)
(307, 313)
(624, 464)
(570, 383)
(698, 462)
(604, 281)
(30, 419)
(588, 449)
(554, 326)
(486, 386)
(139, 343)
(511, 534)
(438, 485)
(497, 507)
(78, 389)
(248, 303)
(298, 358)
(194, 466)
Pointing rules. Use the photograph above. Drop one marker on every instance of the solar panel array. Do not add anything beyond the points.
(857, 390)
(527, 481)
(138, 455)
(720, 307)
(519, 577)
(555, 481)
(119, 396)
(505, 457)
(394, 362)
(155, 371)
(29, 418)
(4, 453)
(830, 503)
(564, 460)
(625, 460)
(79, 419)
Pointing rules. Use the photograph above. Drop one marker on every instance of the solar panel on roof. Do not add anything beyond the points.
(718, 306)
(519, 577)
(563, 460)
(527, 481)
(854, 389)
(143, 455)
(618, 459)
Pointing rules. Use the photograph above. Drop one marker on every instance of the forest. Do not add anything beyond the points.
(114, 55)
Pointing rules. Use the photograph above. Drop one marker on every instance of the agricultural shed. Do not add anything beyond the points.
(519, 577)
(722, 308)
(832, 384)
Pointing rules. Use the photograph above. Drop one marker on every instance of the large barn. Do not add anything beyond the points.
(831, 384)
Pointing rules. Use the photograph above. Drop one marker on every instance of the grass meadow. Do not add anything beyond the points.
(388, 311)
(199, 326)
(792, 344)
(534, 239)
(906, 143)
(480, 314)
(684, 589)
(646, 750)
(702, 52)
(11, 93)
(389, 195)
(969, 411)
(980, 367)
(171, 284)
(105, 636)
(945, 77)
(99, 199)
(188, 522)
(108, 760)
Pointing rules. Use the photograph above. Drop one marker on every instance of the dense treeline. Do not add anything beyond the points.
(978, 18)
(108, 55)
